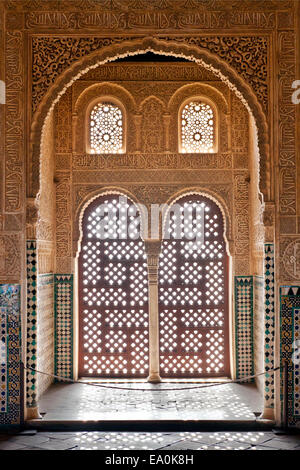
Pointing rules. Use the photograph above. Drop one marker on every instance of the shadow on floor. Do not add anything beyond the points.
(228, 403)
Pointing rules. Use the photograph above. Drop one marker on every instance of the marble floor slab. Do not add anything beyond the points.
(71, 402)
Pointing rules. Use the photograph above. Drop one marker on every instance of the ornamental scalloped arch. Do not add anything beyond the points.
(218, 200)
(90, 197)
(138, 46)
(185, 91)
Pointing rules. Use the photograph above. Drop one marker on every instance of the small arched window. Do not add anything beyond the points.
(198, 128)
(106, 129)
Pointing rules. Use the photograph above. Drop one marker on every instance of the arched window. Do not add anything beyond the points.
(198, 128)
(113, 291)
(106, 129)
(193, 291)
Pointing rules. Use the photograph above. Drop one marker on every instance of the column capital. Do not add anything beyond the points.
(152, 247)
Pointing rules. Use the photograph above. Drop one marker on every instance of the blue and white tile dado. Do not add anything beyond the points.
(10, 413)
(269, 323)
(289, 334)
(31, 332)
(63, 312)
(244, 326)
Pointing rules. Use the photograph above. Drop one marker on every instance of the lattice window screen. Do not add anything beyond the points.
(106, 128)
(197, 128)
(193, 301)
(113, 293)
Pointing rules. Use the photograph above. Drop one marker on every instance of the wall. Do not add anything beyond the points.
(46, 260)
(148, 164)
(258, 40)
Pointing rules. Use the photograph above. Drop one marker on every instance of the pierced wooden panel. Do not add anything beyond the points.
(197, 128)
(193, 292)
(106, 128)
(113, 292)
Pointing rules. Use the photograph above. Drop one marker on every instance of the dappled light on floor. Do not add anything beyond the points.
(162, 441)
(84, 402)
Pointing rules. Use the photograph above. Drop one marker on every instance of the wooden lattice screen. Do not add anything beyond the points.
(113, 292)
(193, 292)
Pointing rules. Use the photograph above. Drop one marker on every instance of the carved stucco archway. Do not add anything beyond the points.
(218, 200)
(90, 197)
(140, 46)
(123, 191)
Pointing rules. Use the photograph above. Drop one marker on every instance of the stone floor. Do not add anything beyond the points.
(71, 402)
(194, 441)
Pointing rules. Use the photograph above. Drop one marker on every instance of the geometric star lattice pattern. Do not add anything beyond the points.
(63, 292)
(3, 359)
(243, 326)
(193, 311)
(113, 291)
(197, 128)
(106, 128)
(289, 349)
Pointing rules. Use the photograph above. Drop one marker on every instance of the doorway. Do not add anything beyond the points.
(193, 291)
(113, 291)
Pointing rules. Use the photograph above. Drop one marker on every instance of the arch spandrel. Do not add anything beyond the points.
(137, 46)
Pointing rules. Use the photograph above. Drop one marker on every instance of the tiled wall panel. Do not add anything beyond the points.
(63, 298)
(244, 326)
(258, 329)
(290, 348)
(31, 335)
(3, 360)
(269, 327)
(10, 413)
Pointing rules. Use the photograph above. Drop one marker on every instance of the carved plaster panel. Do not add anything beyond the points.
(10, 258)
(290, 258)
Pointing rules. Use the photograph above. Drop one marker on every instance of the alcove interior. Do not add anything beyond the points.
(60, 187)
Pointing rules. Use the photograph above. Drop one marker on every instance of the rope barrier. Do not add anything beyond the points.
(115, 387)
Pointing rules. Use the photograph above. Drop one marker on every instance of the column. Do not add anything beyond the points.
(153, 249)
